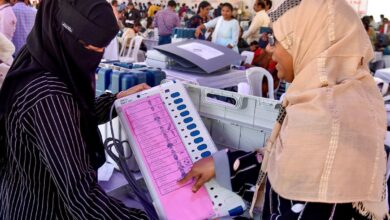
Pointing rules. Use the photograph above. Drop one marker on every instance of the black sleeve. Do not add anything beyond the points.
(244, 177)
(103, 106)
(56, 121)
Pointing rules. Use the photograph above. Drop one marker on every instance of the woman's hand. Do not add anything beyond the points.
(202, 171)
(132, 90)
(198, 31)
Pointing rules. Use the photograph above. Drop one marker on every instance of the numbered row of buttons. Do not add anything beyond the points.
(191, 126)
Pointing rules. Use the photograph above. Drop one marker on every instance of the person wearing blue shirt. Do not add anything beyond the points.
(25, 16)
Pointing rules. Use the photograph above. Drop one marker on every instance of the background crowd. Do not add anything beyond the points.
(226, 24)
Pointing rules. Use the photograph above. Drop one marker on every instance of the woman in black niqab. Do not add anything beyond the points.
(55, 45)
(50, 146)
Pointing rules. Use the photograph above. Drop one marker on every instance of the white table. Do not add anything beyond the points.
(218, 81)
(383, 74)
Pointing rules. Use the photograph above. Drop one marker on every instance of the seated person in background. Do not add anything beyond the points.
(130, 32)
(263, 58)
(255, 48)
(226, 28)
(201, 17)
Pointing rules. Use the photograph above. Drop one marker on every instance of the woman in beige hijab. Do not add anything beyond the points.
(325, 158)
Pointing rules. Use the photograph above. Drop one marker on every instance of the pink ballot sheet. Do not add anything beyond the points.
(166, 159)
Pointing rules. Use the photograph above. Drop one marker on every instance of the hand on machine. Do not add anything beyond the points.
(169, 140)
(202, 171)
(198, 31)
(132, 90)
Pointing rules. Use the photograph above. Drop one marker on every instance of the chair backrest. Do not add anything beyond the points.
(134, 47)
(243, 88)
(112, 50)
(249, 56)
(125, 42)
(255, 77)
(382, 85)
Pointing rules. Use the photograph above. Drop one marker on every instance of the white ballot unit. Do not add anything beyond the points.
(167, 136)
(171, 126)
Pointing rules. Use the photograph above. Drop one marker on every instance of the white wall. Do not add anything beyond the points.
(378, 7)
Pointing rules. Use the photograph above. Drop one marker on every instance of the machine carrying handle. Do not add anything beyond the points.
(222, 98)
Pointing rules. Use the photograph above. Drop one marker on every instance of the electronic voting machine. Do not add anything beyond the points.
(167, 136)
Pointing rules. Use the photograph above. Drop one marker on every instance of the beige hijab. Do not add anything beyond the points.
(330, 147)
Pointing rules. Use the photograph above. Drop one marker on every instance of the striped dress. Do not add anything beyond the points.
(239, 170)
(47, 174)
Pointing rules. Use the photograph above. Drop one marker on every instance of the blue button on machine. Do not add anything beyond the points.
(236, 211)
(188, 120)
(198, 140)
(195, 133)
(191, 126)
(181, 107)
(205, 154)
(202, 147)
(178, 101)
(175, 94)
(185, 113)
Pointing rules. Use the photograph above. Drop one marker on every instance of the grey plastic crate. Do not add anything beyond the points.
(244, 123)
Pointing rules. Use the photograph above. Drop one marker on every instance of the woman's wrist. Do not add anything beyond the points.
(120, 94)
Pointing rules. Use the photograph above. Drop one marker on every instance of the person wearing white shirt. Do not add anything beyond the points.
(226, 28)
(6, 51)
(260, 20)
(7, 19)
